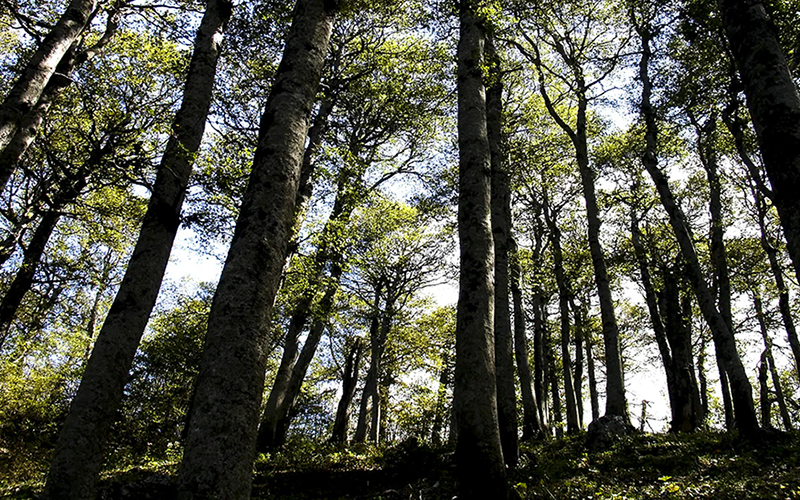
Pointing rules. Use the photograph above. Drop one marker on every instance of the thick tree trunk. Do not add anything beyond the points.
(531, 423)
(501, 232)
(774, 104)
(221, 438)
(479, 456)
(26, 91)
(78, 454)
(723, 337)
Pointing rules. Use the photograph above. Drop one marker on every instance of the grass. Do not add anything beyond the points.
(706, 465)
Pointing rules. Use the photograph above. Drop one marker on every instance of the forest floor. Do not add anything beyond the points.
(704, 465)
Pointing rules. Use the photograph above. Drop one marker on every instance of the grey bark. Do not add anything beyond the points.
(564, 312)
(29, 125)
(221, 438)
(723, 337)
(616, 403)
(78, 454)
(349, 379)
(531, 423)
(579, 323)
(26, 91)
(501, 229)
(370, 384)
(479, 456)
(774, 104)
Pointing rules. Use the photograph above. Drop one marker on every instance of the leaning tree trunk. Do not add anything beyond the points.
(479, 456)
(78, 454)
(774, 105)
(223, 422)
(501, 229)
(616, 403)
(723, 338)
(29, 125)
(26, 91)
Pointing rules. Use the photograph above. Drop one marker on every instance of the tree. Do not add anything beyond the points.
(78, 456)
(479, 457)
(774, 105)
(583, 58)
(220, 445)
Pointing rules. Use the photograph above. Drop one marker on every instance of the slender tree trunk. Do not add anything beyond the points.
(531, 424)
(594, 397)
(563, 306)
(371, 382)
(277, 408)
(578, 359)
(766, 403)
(501, 231)
(767, 356)
(26, 91)
(558, 417)
(540, 367)
(774, 104)
(78, 454)
(479, 456)
(777, 272)
(723, 338)
(703, 380)
(221, 437)
(377, 418)
(349, 379)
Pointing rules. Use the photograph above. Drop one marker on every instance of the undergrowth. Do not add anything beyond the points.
(706, 465)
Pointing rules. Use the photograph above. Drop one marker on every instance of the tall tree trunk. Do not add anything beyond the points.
(78, 454)
(616, 403)
(579, 324)
(774, 104)
(349, 379)
(376, 415)
(767, 356)
(563, 307)
(702, 379)
(501, 232)
(221, 437)
(723, 338)
(26, 91)
(531, 423)
(594, 397)
(539, 364)
(479, 456)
